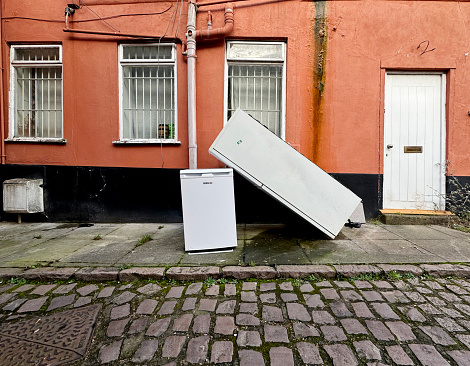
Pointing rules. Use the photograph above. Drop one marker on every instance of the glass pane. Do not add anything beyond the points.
(38, 102)
(255, 51)
(257, 89)
(148, 102)
(37, 54)
(158, 52)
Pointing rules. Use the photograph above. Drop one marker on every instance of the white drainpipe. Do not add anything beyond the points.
(191, 54)
(191, 35)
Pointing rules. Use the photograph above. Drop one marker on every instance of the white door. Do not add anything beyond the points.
(414, 141)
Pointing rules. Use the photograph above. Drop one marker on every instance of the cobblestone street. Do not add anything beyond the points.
(395, 320)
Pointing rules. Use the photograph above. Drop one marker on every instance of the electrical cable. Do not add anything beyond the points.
(88, 20)
(98, 15)
(172, 18)
(179, 20)
(73, 1)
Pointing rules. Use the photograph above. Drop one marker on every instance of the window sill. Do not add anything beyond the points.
(146, 142)
(37, 140)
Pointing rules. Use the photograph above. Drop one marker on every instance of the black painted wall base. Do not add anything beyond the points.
(103, 194)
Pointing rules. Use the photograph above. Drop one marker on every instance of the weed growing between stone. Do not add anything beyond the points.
(367, 277)
(16, 281)
(146, 238)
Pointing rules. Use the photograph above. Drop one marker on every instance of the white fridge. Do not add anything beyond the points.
(208, 209)
(274, 166)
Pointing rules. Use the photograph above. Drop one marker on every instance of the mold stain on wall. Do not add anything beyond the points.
(320, 31)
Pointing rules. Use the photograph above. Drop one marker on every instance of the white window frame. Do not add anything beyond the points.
(146, 62)
(14, 64)
(259, 61)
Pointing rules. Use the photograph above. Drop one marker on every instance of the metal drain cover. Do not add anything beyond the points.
(50, 340)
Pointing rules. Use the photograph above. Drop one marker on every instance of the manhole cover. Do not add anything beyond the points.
(50, 340)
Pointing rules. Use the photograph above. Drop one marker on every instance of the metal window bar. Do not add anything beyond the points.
(150, 104)
(257, 90)
(156, 90)
(164, 103)
(37, 102)
(143, 102)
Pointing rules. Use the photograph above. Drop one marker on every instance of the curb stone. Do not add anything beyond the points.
(302, 271)
(401, 269)
(97, 274)
(141, 273)
(354, 270)
(49, 273)
(192, 273)
(446, 269)
(240, 273)
(7, 273)
(237, 272)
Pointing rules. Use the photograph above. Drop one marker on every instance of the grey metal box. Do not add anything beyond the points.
(23, 195)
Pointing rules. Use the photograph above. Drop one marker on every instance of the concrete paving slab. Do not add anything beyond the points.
(453, 250)
(264, 251)
(16, 240)
(397, 247)
(394, 258)
(369, 232)
(372, 251)
(137, 231)
(166, 248)
(411, 232)
(48, 251)
(161, 257)
(106, 253)
(90, 232)
(10, 247)
(333, 251)
(249, 231)
(262, 244)
(279, 244)
(10, 229)
(452, 232)
(41, 230)
(231, 258)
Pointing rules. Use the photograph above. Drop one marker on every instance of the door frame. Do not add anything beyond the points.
(443, 129)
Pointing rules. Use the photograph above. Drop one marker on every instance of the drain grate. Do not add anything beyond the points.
(50, 340)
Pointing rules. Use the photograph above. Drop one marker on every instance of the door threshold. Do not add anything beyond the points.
(416, 217)
(397, 211)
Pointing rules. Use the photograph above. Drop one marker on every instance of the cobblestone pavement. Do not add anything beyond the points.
(409, 321)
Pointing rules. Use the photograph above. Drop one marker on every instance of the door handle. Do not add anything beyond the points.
(389, 146)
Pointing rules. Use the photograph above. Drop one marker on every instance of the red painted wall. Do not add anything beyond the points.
(366, 38)
(91, 82)
(363, 40)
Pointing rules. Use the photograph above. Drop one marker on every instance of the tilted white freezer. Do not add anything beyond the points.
(274, 166)
(208, 209)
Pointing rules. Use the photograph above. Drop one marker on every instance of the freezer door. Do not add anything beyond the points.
(270, 163)
(208, 209)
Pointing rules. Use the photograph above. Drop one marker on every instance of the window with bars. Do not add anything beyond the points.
(36, 95)
(148, 93)
(256, 82)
